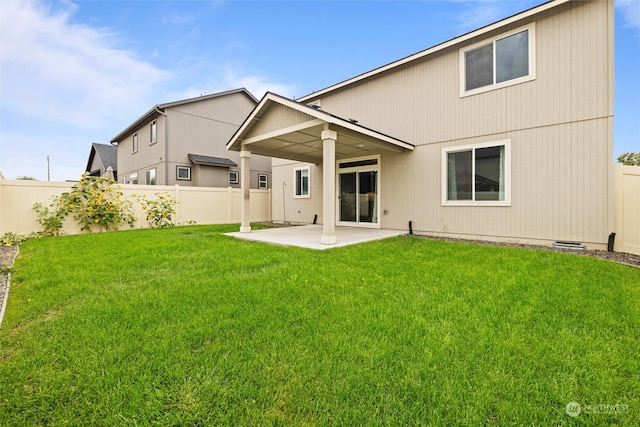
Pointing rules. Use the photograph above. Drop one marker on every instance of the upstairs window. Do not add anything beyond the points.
(503, 61)
(301, 179)
(153, 132)
(135, 142)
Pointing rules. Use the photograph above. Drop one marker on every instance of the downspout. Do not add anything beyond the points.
(166, 145)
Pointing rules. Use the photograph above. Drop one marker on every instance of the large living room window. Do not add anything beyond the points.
(505, 60)
(477, 174)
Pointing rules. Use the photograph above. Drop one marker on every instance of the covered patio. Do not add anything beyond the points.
(308, 236)
(282, 128)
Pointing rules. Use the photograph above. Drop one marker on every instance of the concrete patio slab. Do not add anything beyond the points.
(308, 236)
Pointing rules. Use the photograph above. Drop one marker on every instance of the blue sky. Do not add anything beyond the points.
(77, 72)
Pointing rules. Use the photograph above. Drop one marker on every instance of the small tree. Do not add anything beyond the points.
(26, 178)
(629, 159)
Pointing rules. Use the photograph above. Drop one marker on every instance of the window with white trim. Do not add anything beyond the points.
(183, 173)
(301, 178)
(263, 181)
(133, 178)
(506, 60)
(135, 143)
(153, 132)
(477, 174)
(233, 177)
(151, 177)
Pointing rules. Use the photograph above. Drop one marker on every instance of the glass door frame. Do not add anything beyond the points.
(366, 168)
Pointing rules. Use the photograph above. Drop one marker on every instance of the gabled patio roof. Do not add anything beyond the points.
(283, 128)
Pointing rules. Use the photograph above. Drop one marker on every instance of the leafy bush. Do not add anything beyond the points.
(160, 211)
(12, 239)
(629, 159)
(93, 201)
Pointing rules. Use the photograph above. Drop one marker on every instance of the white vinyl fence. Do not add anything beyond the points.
(202, 205)
(627, 208)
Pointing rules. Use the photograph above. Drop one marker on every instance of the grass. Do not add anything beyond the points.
(187, 326)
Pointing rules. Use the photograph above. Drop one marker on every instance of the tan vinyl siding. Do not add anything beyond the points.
(420, 103)
(147, 157)
(278, 117)
(560, 127)
(558, 179)
(298, 210)
(205, 127)
(202, 127)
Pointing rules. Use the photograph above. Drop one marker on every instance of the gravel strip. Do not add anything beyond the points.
(620, 257)
(7, 255)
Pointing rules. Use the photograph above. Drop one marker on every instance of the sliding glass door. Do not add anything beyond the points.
(358, 192)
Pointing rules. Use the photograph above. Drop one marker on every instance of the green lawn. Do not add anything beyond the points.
(187, 326)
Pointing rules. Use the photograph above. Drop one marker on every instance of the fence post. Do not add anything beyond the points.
(177, 206)
(230, 205)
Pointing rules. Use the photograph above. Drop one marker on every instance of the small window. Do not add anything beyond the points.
(153, 132)
(233, 177)
(263, 181)
(184, 173)
(135, 143)
(301, 179)
(133, 178)
(477, 175)
(151, 177)
(503, 61)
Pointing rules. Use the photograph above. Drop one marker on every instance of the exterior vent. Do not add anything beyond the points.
(569, 245)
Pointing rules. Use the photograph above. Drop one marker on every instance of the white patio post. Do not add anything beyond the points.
(245, 184)
(328, 186)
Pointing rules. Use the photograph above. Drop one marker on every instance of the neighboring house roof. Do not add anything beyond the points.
(107, 154)
(304, 136)
(159, 109)
(197, 159)
(452, 42)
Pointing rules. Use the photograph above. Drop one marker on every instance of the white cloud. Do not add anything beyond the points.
(630, 10)
(484, 12)
(229, 77)
(67, 73)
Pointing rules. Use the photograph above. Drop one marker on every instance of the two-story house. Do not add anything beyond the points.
(504, 133)
(183, 143)
(101, 158)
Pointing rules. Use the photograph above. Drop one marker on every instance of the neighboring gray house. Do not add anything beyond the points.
(504, 133)
(183, 143)
(101, 157)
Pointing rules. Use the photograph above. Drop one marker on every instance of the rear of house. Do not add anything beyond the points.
(508, 134)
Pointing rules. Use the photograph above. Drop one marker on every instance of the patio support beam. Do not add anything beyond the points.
(328, 186)
(245, 184)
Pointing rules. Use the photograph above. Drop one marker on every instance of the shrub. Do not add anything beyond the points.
(12, 239)
(93, 201)
(160, 211)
